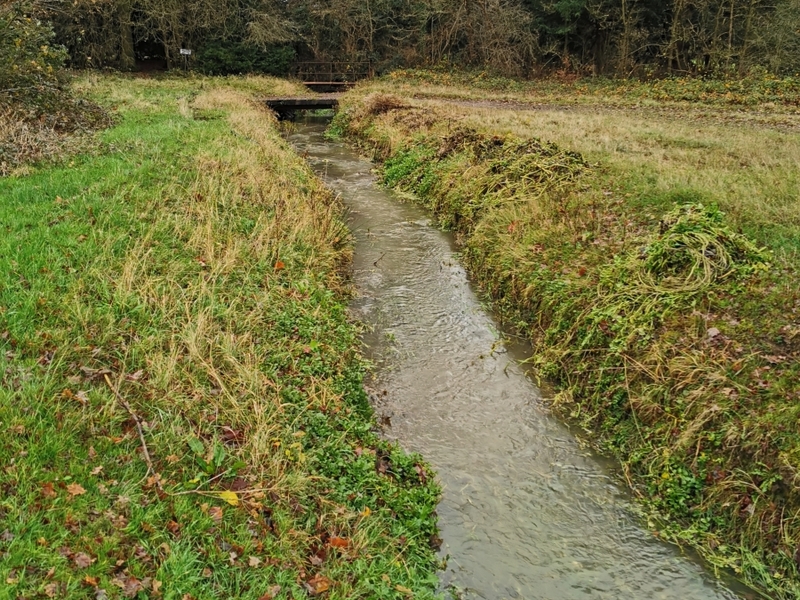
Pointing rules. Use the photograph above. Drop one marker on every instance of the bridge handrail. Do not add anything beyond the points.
(334, 70)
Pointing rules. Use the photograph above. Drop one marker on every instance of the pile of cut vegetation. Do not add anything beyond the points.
(39, 116)
(672, 337)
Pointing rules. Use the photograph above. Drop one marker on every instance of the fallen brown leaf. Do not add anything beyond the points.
(82, 560)
(317, 585)
(316, 560)
(239, 484)
(129, 585)
(75, 489)
(232, 436)
(135, 376)
(215, 512)
(382, 464)
(271, 593)
(775, 360)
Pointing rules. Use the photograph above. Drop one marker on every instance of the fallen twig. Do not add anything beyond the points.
(145, 452)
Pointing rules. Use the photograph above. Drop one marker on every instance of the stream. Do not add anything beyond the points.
(527, 511)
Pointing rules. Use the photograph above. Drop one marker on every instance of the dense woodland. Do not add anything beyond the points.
(512, 37)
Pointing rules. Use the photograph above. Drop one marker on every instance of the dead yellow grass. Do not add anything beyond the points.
(23, 143)
(259, 178)
(748, 169)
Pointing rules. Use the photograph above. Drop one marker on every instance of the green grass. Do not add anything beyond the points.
(187, 277)
(668, 325)
(734, 92)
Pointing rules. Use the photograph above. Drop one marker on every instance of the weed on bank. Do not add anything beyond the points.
(182, 405)
(671, 333)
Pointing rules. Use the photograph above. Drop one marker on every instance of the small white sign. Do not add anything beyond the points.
(185, 52)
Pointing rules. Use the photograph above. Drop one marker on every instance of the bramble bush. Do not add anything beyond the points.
(30, 65)
(38, 112)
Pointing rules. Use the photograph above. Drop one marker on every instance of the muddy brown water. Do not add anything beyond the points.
(527, 512)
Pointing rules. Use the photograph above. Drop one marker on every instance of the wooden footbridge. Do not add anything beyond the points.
(330, 77)
(287, 107)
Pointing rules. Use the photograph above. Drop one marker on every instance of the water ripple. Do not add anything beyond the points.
(526, 512)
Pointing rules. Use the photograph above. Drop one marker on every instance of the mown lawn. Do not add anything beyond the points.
(653, 259)
(182, 405)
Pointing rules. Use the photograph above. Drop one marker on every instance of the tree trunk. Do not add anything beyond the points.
(625, 44)
(673, 55)
(746, 38)
(730, 36)
(127, 58)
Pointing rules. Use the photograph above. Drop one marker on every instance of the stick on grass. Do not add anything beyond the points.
(145, 452)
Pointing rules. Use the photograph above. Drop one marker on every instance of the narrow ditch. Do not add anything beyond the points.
(527, 512)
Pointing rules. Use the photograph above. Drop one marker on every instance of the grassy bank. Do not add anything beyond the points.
(182, 399)
(759, 92)
(653, 262)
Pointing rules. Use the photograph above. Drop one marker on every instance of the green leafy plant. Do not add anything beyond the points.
(229, 57)
(30, 63)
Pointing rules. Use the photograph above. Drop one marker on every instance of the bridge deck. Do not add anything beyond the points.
(295, 103)
(286, 107)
